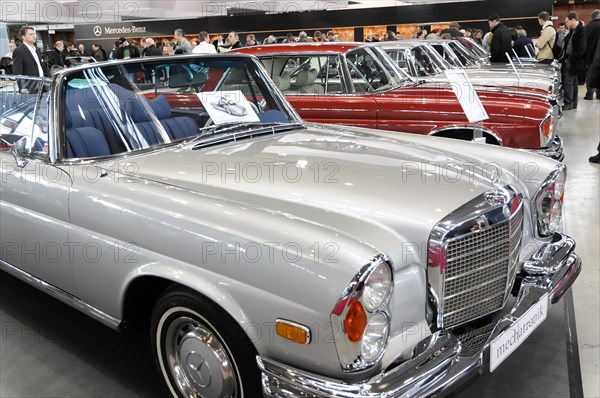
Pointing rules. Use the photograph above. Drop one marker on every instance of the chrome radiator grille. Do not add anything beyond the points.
(479, 267)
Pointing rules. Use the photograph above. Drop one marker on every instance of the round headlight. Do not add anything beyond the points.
(545, 203)
(555, 216)
(559, 186)
(375, 337)
(378, 288)
(549, 203)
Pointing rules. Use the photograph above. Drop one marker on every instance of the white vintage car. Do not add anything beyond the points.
(420, 60)
(265, 255)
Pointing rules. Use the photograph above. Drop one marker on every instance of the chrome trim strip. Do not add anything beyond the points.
(54, 122)
(474, 304)
(61, 295)
(487, 282)
(490, 265)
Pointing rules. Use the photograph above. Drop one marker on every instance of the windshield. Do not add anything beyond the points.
(24, 113)
(427, 61)
(304, 74)
(372, 70)
(475, 48)
(124, 107)
(464, 56)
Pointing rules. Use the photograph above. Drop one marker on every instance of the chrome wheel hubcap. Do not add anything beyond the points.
(199, 364)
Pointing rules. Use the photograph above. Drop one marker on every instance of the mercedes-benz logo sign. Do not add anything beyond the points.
(97, 31)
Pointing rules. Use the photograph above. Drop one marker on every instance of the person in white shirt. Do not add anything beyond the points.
(205, 46)
(26, 60)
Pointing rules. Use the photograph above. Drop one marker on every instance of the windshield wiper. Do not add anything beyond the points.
(226, 127)
(231, 132)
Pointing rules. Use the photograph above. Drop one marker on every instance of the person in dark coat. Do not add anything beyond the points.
(126, 50)
(592, 35)
(26, 58)
(521, 43)
(71, 50)
(501, 40)
(594, 82)
(453, 30)
(55, 56)
(83, 52)
(573, 59)
(151, 50)
(98, 53)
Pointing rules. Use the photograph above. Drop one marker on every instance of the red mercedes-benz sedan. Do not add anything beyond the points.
(358, 84)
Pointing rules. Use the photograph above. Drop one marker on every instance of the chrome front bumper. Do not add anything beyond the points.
(555, 150)
(438, 364)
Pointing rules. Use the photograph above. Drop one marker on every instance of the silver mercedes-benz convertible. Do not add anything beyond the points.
(269, 256)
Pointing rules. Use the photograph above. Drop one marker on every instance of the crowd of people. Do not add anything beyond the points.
(572, 44)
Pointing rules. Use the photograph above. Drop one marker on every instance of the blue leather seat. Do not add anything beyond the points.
(84, 110)
(177, 127)
(86, 142)
(85, 116)
(142, 122)
(272, 116)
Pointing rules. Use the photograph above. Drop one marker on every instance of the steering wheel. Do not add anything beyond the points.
(382, 80)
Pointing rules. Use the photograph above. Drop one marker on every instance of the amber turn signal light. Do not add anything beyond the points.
(355, 322)
(547, 126)
(293, 332)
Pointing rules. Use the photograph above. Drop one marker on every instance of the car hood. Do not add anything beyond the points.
(508, 78)
(496, 100)
(542, 70)
(379, 191)
(504, 84)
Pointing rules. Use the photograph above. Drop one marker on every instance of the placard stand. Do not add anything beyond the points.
(478, 133)
(469, 101)
(514, 68)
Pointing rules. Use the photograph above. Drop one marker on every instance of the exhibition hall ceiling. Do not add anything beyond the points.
(110, 11)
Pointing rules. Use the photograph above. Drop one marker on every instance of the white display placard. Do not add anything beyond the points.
(228, 106)
(507, 342)
(467, 96)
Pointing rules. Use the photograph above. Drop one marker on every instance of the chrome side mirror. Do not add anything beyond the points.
(16, 144)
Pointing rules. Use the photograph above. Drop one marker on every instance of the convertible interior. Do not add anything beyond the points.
(115, 109)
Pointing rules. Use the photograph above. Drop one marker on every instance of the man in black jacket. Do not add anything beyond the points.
(82, 52)
(592, 34)
(573, 58)
(501, 40)
(151, 50)
(55, 56)
(26, 58)
(126, 50)
(594, 82)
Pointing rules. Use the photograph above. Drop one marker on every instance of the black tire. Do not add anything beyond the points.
(197, 341)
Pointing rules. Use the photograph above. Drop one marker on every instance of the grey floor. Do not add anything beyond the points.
(581, 131)
(49, 350)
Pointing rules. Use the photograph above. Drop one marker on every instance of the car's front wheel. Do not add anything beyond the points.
(201, 351)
